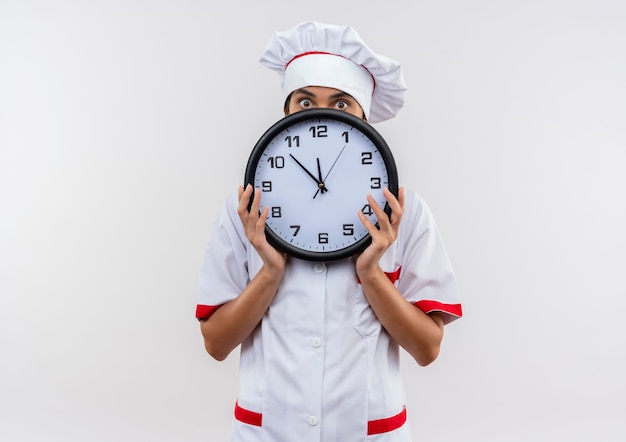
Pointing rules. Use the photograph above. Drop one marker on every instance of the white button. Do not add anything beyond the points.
(316, 342)
(312, 421)
(319, 268)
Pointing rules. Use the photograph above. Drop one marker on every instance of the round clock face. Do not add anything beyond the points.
(315, 169)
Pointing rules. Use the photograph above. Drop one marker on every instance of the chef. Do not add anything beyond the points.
(320, 342)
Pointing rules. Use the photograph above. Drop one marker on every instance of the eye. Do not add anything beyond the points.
(341, 105)
(305, 103)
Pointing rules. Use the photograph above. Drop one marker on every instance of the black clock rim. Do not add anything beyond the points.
(315, 114)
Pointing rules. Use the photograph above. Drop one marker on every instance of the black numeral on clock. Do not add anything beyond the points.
(367, 210)
(375, 183)
(319, 131)
(277, 212)
(266, 186)
(322, 238)
(366, 158)
(276, 162)
(296, 229)
(348, 229)
(295, 141)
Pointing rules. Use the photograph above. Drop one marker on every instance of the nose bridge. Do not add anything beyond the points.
(323, 101)
(323, 98)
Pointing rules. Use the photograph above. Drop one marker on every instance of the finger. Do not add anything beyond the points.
(256, 201)
(382, 220)
(255, 208)
(381, 215)
(395, 204)
(379, 239)
(244, 198)
(401, 196)
(369, 226)
(260, 224)
(250, 217)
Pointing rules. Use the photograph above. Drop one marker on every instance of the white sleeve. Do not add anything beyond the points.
(224, 273)
(427, 279)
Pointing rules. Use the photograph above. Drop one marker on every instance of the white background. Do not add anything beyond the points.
(125, 124)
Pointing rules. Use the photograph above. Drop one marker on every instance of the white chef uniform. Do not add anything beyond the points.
(320, 367)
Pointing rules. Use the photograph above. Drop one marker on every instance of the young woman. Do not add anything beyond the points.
(320, 341)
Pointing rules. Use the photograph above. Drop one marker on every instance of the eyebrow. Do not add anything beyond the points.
(304, 92)
(340, 94)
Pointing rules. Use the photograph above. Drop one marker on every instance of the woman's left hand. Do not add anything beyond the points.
(383, 236)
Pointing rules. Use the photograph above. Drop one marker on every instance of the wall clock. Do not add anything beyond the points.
(315, 169)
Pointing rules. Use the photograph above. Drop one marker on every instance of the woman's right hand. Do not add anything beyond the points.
(254, 226)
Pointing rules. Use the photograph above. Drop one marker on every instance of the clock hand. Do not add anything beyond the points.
(329, 170)
(336, 159)
(320, 184)
(319, 174)
(319, 177)
(319, 170)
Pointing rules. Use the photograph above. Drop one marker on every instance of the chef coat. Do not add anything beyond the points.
(319, 366)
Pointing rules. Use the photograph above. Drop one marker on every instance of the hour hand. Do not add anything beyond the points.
(322, 184)
(319, 183)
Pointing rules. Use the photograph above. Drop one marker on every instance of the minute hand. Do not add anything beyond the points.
(320, 184)
(336, 159)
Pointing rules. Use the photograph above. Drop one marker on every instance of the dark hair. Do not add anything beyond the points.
(286, 106)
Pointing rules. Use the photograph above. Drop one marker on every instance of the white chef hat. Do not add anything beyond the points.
(317, 54)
